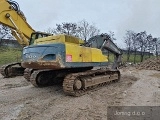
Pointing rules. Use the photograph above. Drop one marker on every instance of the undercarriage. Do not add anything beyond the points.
(11, 70)
(76, 82)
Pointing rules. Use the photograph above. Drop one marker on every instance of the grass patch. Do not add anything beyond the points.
(9, 55)
(131, 59)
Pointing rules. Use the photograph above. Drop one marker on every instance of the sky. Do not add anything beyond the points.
(107, 15)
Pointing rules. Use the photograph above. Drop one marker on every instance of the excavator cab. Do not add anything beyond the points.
(37, 35)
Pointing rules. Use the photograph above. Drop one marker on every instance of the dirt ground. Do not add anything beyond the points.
(19, 100)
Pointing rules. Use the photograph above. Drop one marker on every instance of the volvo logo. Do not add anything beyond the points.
(31, 56)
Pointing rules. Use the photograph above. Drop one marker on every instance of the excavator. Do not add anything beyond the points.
(13, 17)
(81, 67)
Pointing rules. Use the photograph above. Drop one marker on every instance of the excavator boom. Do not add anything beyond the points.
(13, 17)
(104, 42)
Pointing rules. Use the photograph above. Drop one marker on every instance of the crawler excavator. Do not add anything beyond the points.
(13, 17)
(81, 67)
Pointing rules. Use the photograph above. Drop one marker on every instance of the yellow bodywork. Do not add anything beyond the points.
(59, 39)
(74, 51)
(84, 54)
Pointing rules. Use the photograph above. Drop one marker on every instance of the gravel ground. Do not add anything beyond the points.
(19, 100)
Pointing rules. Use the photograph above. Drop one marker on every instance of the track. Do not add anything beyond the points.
(12, 69)
(75, 83)
(41, 78)
(27, 73)
(90, 80)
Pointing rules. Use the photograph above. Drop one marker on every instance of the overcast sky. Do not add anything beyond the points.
(108, 15)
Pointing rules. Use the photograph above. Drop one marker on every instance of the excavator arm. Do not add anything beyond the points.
(104, 42)
(13, 17)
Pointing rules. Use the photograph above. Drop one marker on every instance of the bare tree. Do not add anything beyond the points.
(5, 32)
(64, 28)
(86, 30)
(112, 35)
(150, 44)
(134, 45)
(82, 29)
(143, 43)
(50, 30)
(158, 48)
(128, 41)
(156, 44)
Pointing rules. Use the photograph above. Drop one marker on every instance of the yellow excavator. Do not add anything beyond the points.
(81, 67)
(13, 17)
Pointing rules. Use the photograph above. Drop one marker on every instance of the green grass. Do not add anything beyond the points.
(9, 55)
(131, 59)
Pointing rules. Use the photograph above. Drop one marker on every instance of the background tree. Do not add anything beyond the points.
(50, 30)
(156, 45)
(150, 45)
(143, 43)
(82, 29)
(134, 45)
(5, 32)
(128, 39)
(112, 35)
(87, 30)
(66, 28)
